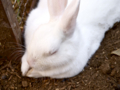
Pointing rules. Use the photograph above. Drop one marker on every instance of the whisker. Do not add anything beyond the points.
(18, 44)
(16, 56)
(19, 48)
(16, 52)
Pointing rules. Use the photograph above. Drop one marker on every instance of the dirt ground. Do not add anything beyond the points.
(101, 73)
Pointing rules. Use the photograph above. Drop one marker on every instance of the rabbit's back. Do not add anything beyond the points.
(103, 13)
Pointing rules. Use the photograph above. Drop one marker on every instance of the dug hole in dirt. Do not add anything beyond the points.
(101, 73)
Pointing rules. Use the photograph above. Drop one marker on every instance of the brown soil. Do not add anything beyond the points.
(101, 73)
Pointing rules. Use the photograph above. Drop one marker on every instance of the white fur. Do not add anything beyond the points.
(74, 50)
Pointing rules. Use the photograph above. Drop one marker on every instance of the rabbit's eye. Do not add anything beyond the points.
(52, 52)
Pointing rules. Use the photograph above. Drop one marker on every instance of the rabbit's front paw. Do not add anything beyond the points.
(33, 73)
(25, 66)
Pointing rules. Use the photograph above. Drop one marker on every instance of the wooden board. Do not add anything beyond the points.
(12, 19)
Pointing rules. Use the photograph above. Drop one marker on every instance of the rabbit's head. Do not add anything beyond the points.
(51, 47)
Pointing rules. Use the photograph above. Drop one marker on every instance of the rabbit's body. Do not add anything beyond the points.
(51, 52)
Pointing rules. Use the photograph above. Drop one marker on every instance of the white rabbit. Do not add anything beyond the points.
(62, 35)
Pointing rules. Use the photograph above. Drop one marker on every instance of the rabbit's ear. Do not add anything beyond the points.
(68, 19)
(56, 7)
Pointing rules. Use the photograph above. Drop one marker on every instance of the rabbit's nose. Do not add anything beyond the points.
(31, 62)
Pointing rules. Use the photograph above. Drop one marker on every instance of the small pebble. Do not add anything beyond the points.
(112, 66)
(24, 83)
(64, 80)
(105, 68)
(57, 89)
(4, 76)
(12, 88)
(115, 71)
(15, 87)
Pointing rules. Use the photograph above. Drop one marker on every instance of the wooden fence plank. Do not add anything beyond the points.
(12, 19)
